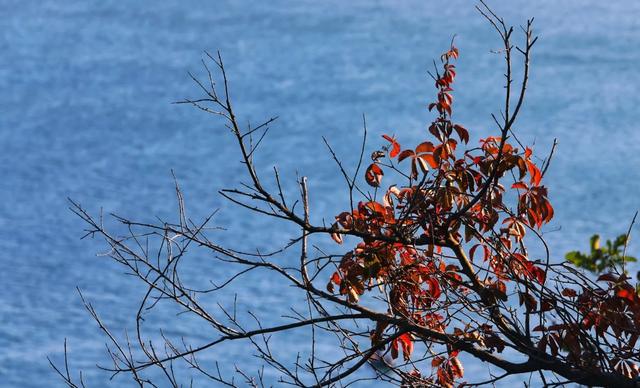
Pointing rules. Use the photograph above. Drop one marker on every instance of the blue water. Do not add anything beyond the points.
(85, 113)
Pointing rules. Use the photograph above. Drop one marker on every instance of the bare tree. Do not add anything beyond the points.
(440, 269)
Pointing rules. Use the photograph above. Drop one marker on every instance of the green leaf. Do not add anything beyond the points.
(595, 242)
(601, 258)
(575, 257)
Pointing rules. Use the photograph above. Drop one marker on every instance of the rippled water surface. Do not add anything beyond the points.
(85, 113)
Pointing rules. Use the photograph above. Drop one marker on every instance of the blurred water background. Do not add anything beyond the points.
(85, 113)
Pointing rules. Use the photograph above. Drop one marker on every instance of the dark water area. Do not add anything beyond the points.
(86, 113)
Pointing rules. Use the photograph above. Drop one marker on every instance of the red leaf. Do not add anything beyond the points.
(434, 288)
(553, 343)
(542, 345)
(429, 159)
(519, 185)
(472, 251)
(528, 152)
(529, 301)
(456, 367)
(558, 327)
(422, 163)
(394, 349)
(330, 287)
(395, 147)
(405, 154)
(374, 207)
(628, 293)
(547, 304)
(538, 273)
(373, 175)
(336, 278)
(407, 345)
(337, 237)
(427, 146)
(549, 208)
(454, 52)
(437, 361)
(534, 219)
(462, 133)
(608, 277)
(536, 175)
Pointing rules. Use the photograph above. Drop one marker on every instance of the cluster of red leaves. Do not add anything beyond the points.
(457, 198)
(447, 369)
(615, 307)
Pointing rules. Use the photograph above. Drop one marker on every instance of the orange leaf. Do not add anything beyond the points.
(427, 146)
(536, 175)
(430, 160)
(527, 152)
(395, 147)
(407, 345)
